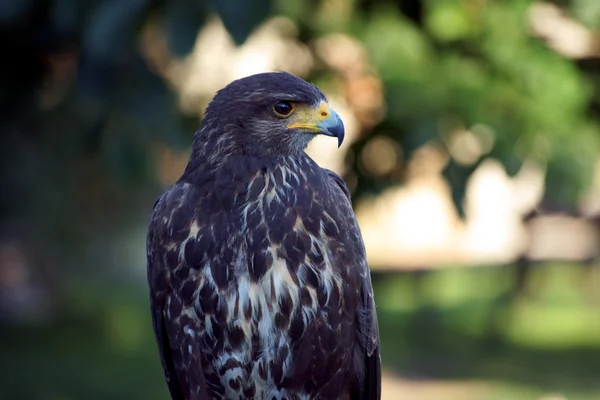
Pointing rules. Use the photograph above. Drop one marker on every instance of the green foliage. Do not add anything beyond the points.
(449, 20)
(587, 11)
(183, 20)
(480, 65)
(241, 17)
(463, 61)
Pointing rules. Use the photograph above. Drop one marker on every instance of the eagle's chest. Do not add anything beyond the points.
(274, 302)
(282, 335)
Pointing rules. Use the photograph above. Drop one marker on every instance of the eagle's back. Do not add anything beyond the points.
(256, 272)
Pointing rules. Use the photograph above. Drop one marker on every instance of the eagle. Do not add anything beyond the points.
(257, 272)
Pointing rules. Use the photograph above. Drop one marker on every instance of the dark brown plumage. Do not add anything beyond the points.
(258, 278)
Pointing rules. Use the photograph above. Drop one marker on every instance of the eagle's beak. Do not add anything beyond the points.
(332, 126)
(321, 119)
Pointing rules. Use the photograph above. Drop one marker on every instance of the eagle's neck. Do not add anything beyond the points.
(216, 146)
(236, 165)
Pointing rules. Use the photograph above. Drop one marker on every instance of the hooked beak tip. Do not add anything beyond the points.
(334, 127)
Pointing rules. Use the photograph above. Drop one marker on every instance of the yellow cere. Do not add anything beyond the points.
(308, 117)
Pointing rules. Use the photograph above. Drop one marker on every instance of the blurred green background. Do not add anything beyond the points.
(483, 116)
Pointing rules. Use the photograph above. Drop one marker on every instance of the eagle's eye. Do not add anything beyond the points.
(283, 108)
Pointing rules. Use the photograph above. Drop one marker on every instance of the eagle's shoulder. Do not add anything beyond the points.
(368, 358)
(337, 180)
(172, 222)
(169, 211)
(167, 222)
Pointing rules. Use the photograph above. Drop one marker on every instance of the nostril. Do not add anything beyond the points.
(324, 113)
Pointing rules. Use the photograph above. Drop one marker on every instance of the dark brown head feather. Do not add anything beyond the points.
(239, 120)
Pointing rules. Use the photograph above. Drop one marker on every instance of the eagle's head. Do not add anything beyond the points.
(272, 113)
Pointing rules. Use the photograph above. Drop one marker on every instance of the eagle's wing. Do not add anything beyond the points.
(368, 331)
(181, 368)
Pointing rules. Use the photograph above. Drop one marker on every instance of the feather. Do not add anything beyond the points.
(257, 273)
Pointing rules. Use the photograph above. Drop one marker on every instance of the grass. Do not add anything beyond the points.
(451, 325)
(463, 324)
